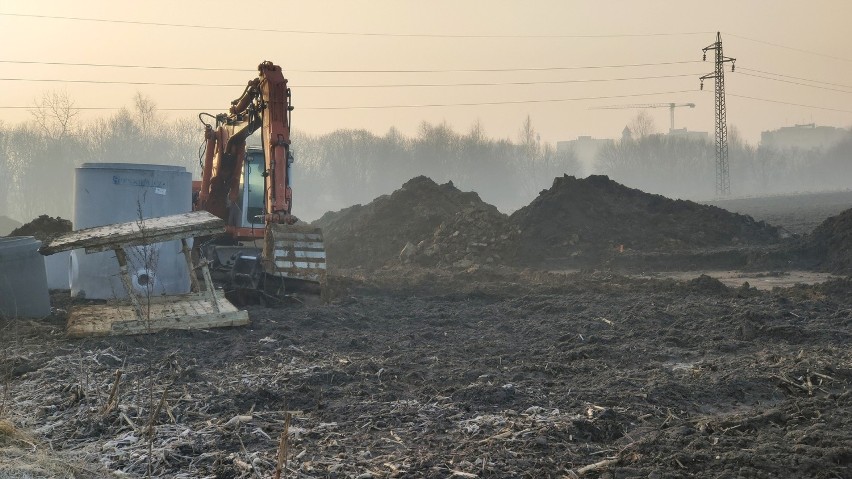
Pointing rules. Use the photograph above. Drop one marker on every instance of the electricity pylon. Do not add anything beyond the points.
(723, 175)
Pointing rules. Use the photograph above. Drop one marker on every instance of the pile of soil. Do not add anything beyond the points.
(43, 228)
(577, 217)
(374, 234)
(579, 222)
(7, 225)
(474, 236)
(829, 247)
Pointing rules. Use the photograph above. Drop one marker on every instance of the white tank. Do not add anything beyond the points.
(58, 271)
(23, 281)
(106, 193)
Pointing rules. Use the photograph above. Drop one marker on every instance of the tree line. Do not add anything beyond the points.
(346, 167)
(686, 168)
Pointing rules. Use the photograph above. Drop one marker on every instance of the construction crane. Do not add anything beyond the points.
(670, 106)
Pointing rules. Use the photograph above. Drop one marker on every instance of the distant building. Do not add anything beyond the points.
(690, 135)
(803, 137)
(585, 147)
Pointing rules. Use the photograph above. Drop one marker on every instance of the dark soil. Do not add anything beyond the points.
(43, 228)
(576, 223)
(588, 218)
(829, 247)
(372, 235)
(414, 372)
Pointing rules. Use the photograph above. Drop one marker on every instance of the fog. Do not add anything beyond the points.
(348, 166)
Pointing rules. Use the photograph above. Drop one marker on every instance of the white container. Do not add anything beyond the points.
(58, 267)
(107, 193)
(23, 281)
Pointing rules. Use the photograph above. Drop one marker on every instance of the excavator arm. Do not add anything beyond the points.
(264, 104)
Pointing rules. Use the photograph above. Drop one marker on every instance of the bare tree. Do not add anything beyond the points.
(528, 142)
(642, 125)
(54, 115)
(146, 114)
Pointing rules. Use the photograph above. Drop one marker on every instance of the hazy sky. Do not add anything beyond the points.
(813, 42)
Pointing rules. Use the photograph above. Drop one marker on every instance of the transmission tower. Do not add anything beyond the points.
(723, 176)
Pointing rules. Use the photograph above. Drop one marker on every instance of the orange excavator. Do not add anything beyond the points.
(265, 249)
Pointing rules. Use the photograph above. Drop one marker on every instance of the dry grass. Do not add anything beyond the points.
(22, 457)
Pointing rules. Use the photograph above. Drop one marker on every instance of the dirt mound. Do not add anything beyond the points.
(476, 235)
(829, 247)
(589, 216)
(372, 235)
(43, 227)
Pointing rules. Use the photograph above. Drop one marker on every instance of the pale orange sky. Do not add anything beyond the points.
(818, 26)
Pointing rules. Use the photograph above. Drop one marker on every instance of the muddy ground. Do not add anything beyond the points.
(424, 373)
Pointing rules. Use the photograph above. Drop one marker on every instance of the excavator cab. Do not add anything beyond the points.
(250, 201)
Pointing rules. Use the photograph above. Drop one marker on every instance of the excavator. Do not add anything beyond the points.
(266, 251)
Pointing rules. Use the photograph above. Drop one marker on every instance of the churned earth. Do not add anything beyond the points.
(415, 372)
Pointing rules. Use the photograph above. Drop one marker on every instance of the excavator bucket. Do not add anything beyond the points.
(296, 255)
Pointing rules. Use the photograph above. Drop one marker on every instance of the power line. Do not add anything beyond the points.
(34, 107)
(467, 70)
(795, 78)
(384, 85)
(118, 82)
(789, 103)
(320, 32)
(376, 107)
(801, 50)
(795, 83)
(18, 107)
(118, 65)
(508, 102)
(548, 82)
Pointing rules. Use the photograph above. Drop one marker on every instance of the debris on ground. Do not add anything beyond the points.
(522, 375)
(43, 228)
